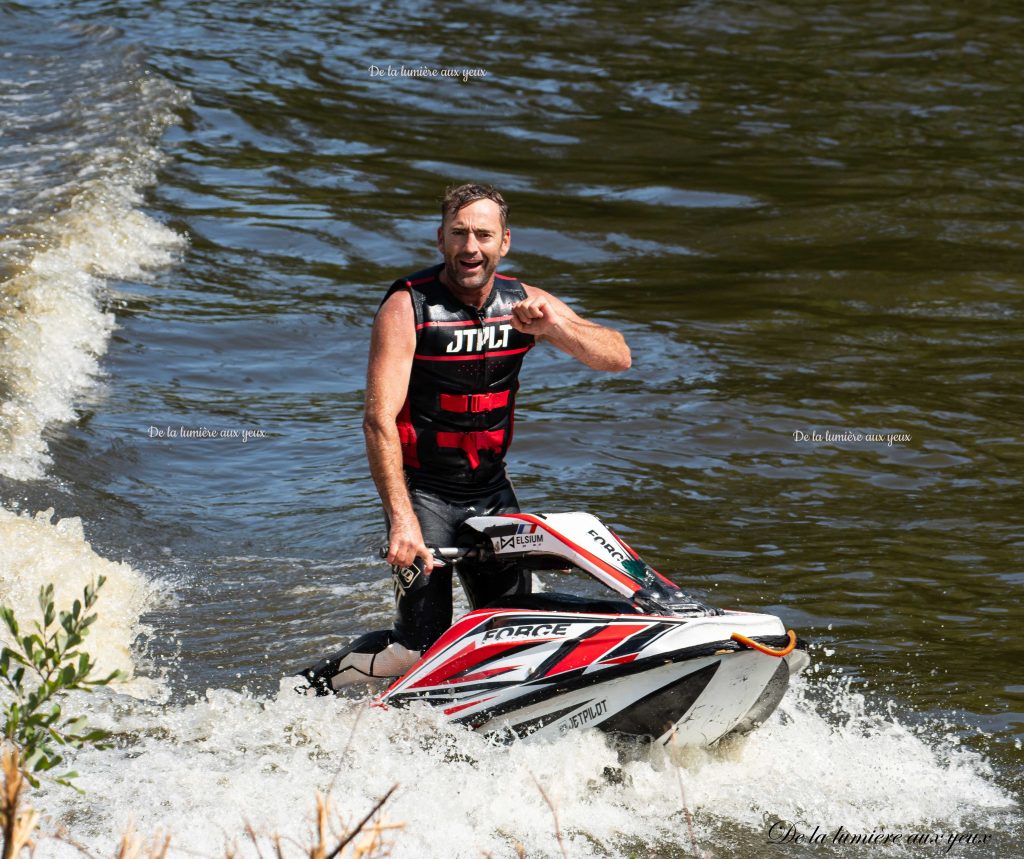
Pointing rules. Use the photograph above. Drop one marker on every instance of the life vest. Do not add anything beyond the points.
(457, 420)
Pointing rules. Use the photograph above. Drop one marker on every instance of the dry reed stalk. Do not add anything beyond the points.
(365, 839)
(554, 814)
(700, 854)
(344, 842)
(17, 822)
(131, 847)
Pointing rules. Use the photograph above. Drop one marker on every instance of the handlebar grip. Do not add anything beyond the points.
(441, 553)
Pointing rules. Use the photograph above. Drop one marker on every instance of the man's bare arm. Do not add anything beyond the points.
(549, 318)
(392, 346)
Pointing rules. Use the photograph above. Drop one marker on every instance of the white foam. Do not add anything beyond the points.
(841, 763)
(35, 551)
(201, 771)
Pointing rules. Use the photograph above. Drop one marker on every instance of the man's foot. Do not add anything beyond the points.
(373, 656)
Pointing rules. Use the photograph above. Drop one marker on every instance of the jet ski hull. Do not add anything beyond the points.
(547, 674)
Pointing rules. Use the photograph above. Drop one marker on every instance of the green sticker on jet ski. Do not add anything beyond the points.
(637, 570)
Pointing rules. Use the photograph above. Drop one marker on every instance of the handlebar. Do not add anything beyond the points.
(442, 554)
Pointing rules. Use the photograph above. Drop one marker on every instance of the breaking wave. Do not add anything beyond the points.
(81, 133)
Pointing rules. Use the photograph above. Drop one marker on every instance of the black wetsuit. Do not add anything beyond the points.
(455, 427)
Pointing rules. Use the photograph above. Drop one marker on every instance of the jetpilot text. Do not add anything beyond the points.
(583, 717)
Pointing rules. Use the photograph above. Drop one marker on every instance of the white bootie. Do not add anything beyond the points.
(372, 656)
(393, 661)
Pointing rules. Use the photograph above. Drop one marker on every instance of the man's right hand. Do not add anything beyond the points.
(406, 544)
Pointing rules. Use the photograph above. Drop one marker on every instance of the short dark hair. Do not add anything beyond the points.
(458, 196)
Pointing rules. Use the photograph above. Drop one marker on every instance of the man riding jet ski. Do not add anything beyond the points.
(652, 663)
(446, 350)
(442, 380)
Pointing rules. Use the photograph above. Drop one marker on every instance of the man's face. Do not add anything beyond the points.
(472, 241)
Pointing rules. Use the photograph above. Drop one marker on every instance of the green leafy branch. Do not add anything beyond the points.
(38, 669)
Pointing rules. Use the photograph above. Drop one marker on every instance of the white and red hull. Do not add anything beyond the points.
(547, 673)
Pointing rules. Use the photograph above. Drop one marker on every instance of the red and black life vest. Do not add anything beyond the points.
(456, 424)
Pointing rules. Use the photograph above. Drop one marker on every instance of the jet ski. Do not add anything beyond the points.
(650, 663)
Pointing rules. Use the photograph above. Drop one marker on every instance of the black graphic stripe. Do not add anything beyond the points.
(563, 651)
(531, 725)
(640, 640)
(512, 650)
(656, 713)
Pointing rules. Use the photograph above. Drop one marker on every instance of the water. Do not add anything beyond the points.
(802, 218)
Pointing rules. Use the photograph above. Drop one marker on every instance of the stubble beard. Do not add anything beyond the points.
(472, 281)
